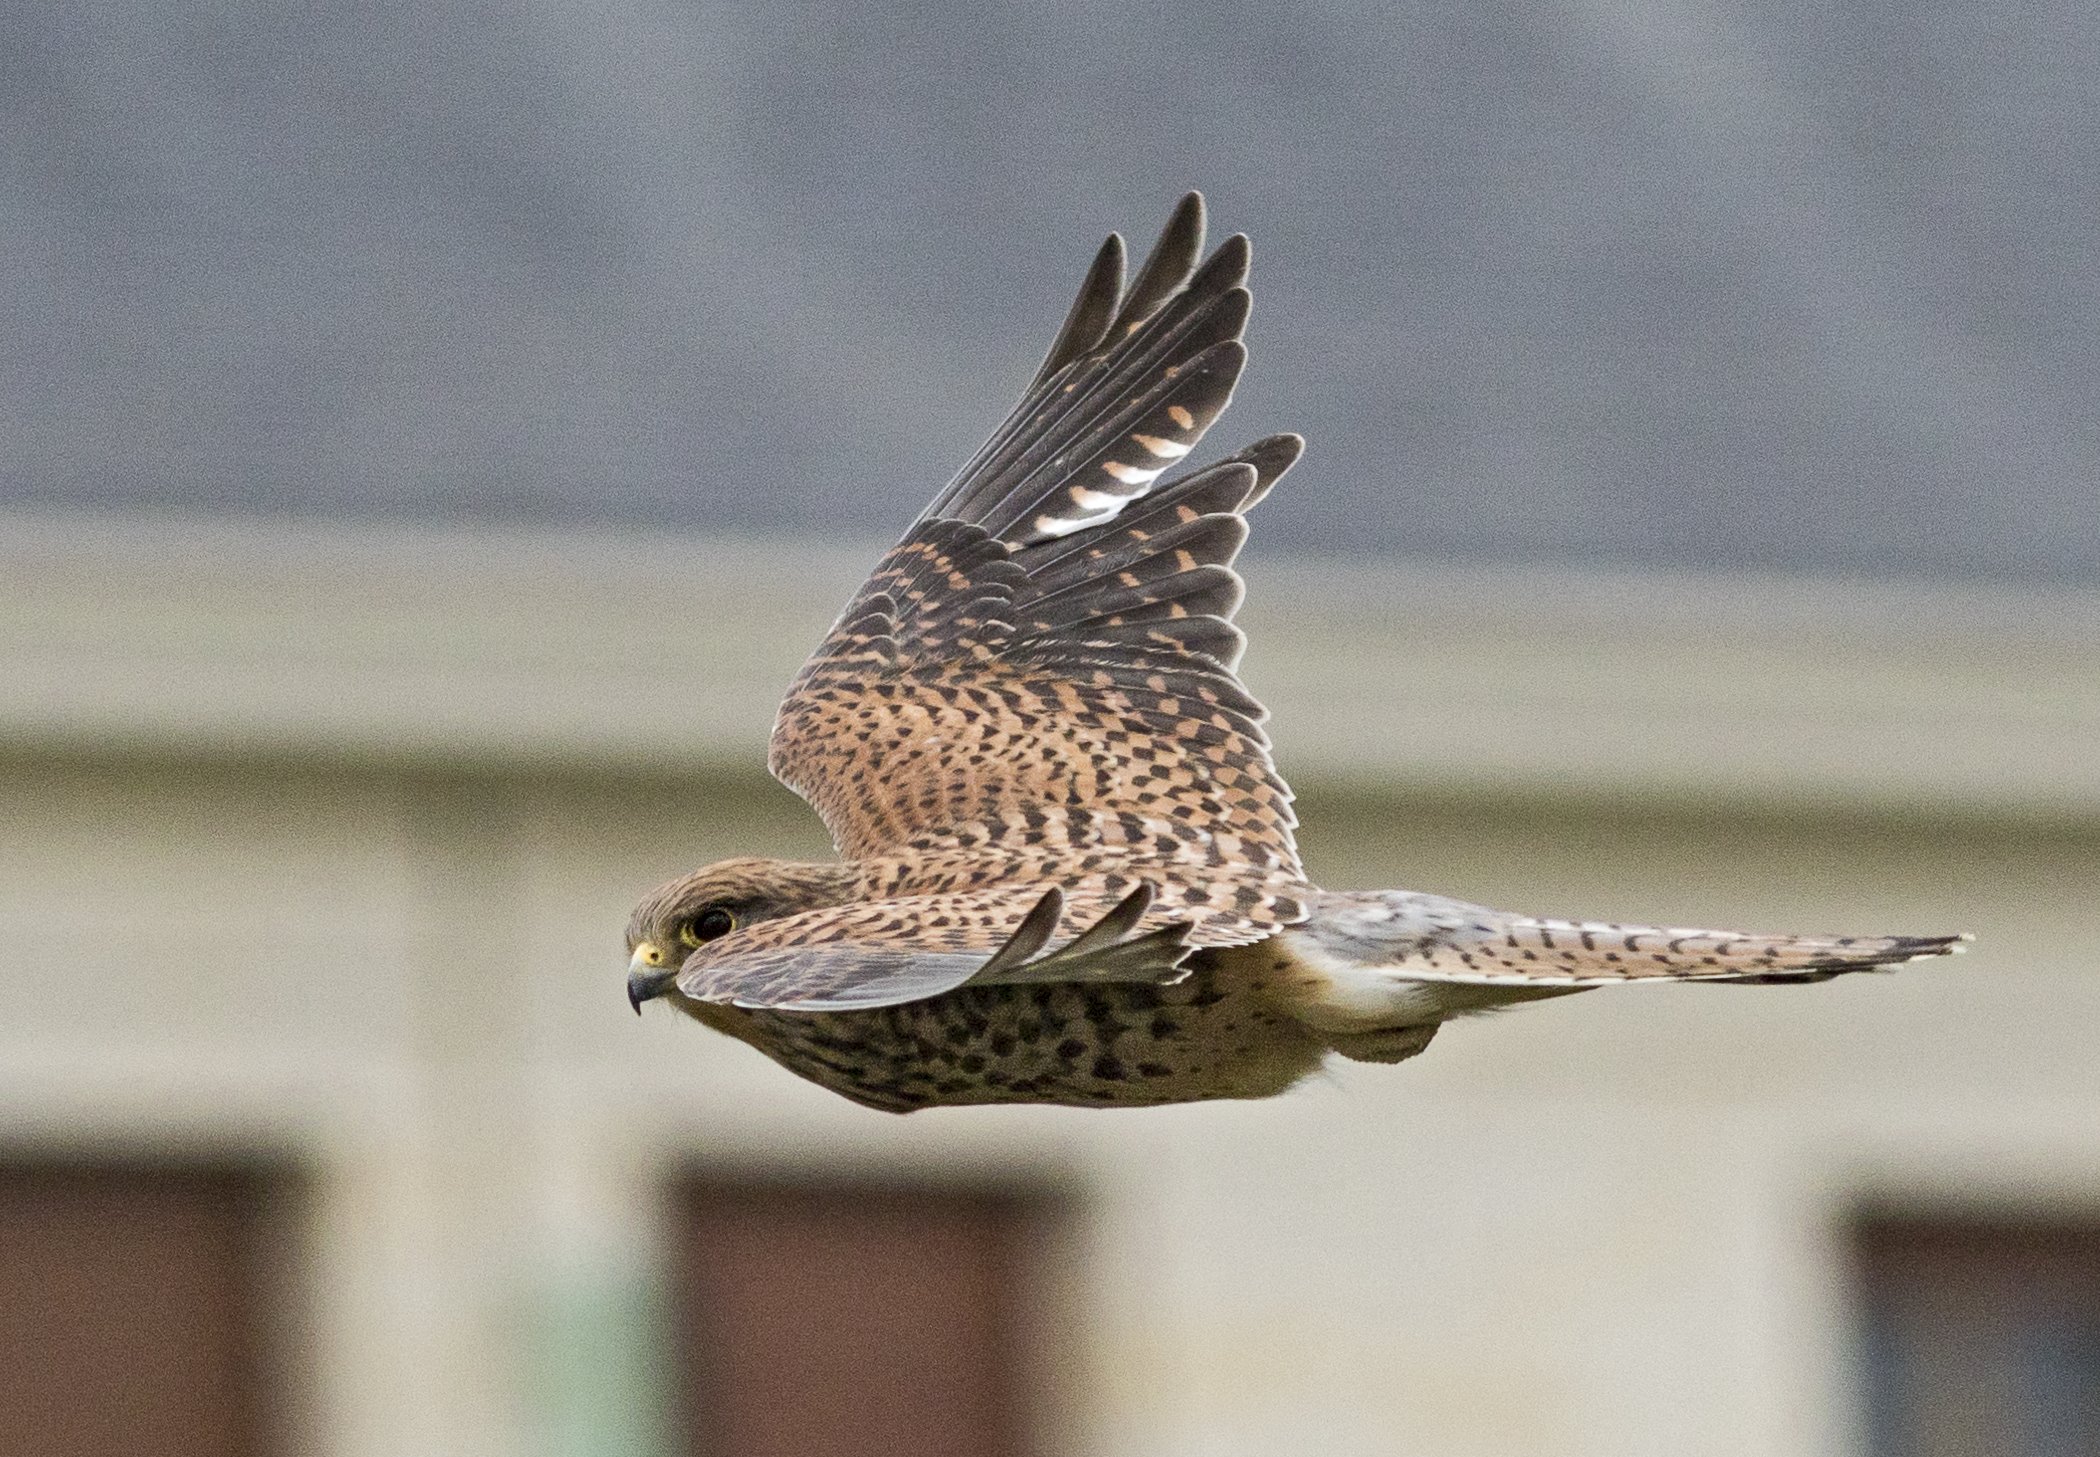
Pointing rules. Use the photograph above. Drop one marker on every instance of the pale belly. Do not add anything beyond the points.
(1222, 1032)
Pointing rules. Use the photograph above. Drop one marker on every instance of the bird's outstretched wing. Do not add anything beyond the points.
(886, 953)
(1040, 678)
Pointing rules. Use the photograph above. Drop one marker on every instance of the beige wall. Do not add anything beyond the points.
(1605, 1226)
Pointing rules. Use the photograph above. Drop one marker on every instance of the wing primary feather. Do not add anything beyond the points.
(1201, 387)
(1122, 918)
(1168, 267)
(1145, 529)
(1028, 938)
(1212, 540)
(1082, 403)
(1196, 513)
(1102, 407)
(1088, 322)
(1097, 313)
(1104, 307)
(1155, 957)
(1270, 456)
(1224, 270)
(1205, 591)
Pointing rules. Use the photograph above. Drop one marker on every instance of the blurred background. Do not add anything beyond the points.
(431, 436)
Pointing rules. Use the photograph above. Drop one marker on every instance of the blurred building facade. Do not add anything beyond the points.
(323, 1122)
(316, 844)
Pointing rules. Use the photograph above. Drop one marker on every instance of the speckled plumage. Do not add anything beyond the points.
(1070, 872)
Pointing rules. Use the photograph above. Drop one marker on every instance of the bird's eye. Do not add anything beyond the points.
(711, 924)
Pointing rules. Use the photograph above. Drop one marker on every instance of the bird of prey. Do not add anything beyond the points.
(1068, 869)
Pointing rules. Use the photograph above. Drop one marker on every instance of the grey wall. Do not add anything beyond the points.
(1773, 285)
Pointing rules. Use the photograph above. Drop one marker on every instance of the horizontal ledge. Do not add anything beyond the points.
(589, 650)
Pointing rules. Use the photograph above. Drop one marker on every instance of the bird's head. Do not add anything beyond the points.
(680, 916)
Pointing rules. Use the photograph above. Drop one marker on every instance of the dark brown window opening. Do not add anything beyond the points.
(1980, 1337)
(139, 1309)
(820, 1320)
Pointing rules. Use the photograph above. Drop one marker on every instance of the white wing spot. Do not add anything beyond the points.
(1055, 526)
(1102, 501)
(1180, 416)
(1130, 475)
(1164, 449)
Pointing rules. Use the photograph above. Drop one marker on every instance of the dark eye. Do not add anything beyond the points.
(711, 924)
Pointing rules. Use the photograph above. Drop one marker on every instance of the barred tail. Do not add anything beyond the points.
(1429, 938)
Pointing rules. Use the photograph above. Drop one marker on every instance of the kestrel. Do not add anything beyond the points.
(1069, 872)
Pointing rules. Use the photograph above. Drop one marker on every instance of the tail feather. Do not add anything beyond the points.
(1429, 938)
(1608, 951)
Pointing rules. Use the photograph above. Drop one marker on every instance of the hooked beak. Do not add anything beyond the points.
(647, 975)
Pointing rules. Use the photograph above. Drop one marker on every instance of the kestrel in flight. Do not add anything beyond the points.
(1068, 867)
